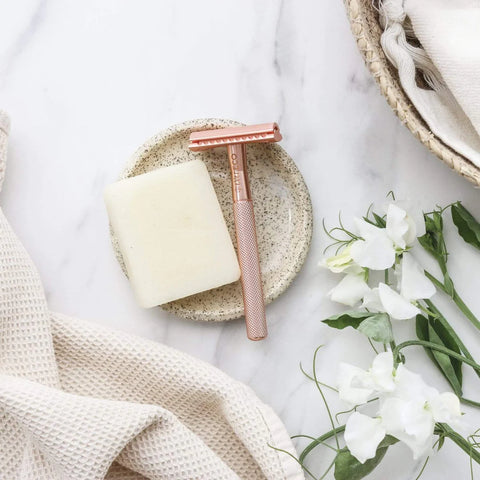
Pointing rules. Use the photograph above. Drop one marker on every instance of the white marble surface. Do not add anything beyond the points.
(87, 82)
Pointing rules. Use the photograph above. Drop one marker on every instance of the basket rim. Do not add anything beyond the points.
(363, 18)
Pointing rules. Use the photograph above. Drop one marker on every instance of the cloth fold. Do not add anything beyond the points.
(448, 57)
(82, 402)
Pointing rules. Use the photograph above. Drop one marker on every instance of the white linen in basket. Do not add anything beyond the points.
(448, 55)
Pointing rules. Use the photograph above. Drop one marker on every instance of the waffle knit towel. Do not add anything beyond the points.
(81, 402)
(448, 57)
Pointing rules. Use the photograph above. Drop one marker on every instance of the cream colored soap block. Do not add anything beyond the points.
(171, 232)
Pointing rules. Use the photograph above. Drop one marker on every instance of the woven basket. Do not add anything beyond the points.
(364, 23)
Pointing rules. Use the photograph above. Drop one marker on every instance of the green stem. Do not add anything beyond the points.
(435, 281)
(313, 380)
(328, 469)
(319, 388)
(319, 441)
(464, 309)
(439, 348)
(325, 444)
(456, 298)
(423, 468)
(456, 438)
(372, 345)
(472, 403)
(293, 457)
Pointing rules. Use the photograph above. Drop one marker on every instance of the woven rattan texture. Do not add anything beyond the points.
(363, 18)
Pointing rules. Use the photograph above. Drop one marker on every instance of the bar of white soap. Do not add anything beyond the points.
(171, 232)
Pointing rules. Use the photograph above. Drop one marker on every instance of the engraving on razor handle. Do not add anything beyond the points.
(238, 166)
(247, 244)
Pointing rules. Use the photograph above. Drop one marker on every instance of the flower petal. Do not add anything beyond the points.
(375, 252)
(400, 228)
(363, 435)
(342, 262)
(414, 284)
(410, 422)
(395, 305)
(366, 229)
(411, 385)
(415, 215)
(350, 290)
(351, 388)
(371, 301)
(382, 372)
(445, 407)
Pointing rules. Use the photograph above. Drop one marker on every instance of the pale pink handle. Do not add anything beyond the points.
(250, 266)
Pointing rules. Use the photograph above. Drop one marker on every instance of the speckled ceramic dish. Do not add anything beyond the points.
(282, 206)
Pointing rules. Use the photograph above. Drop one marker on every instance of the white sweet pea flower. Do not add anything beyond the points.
(385, 299)
(401, 227)
(382, 372)
(414, 285)
(410, 422)
(445, 408)
(362, 435)
(408, 410)
(376, 251)
(380, 246)
(397, 306)
(372, 302)
(350, 290)
(352, 385)
(411, 412)
(411, 385)
(414, 215)
(342, 262)
(357, 386)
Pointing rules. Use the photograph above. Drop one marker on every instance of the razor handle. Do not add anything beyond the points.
(248, 257)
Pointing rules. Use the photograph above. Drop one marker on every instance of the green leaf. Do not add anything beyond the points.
(350, 318)
(426, 241)
(437, 221)
(421, 327)
(448, 341)
(378, 328)
(347, 467)
(441, 441)
(381, 222)
(431, 330)
(444, 362)
(468, 228)
(377, 220)
(433, 241)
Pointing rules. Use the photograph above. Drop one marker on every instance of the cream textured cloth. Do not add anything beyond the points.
(449, 59)
(81, 402)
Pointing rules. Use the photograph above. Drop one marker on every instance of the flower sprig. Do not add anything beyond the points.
(408, 410)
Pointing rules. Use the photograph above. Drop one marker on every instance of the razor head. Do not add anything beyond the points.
(206, 139)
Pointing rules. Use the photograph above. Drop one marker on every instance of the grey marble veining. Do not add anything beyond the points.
(87, 82)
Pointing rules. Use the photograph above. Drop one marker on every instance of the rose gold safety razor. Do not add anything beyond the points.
(235, 139)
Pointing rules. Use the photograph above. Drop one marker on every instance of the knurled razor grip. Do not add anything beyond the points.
(235, 139)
